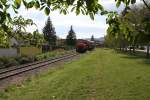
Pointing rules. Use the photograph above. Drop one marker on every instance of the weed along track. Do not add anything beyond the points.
(6, 73)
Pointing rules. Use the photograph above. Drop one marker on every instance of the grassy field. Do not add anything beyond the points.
(101, 75)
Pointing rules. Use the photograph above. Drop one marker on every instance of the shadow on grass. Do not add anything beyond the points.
(136, 55)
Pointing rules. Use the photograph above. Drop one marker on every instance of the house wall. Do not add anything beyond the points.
(8, 52)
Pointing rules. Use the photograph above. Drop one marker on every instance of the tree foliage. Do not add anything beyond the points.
(20, 23)
(92, 38)
(37, 39)
(71, 37)
(129, 29)
(86, 7)
(4, 39)
(49, 33)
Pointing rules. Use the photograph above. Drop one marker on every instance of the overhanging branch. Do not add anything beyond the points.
(146, 4)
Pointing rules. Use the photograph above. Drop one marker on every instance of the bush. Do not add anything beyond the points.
(14, 61)
(25, 59)
(48, 55)
(43, 56)
(7, 62)
(11, 62)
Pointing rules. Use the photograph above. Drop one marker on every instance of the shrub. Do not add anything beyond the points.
(11, 62)
(48, 55)
(40, 57)
(8, 62)
(25, 59)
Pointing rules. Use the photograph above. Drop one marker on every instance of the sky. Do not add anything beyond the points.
(83, 26)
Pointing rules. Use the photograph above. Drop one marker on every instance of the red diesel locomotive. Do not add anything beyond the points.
(84, 45)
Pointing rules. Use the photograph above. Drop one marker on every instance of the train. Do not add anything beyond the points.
(84, 45)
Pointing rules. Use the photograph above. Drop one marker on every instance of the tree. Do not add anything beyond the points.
(27, 39)
(71, 37)
(146, 3)
(49, 33)
(38, 39)
(92, 38)
(140, 24)
(129, 29)
(20, 24)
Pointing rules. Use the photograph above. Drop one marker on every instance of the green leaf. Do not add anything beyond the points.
(91, 16)
(3, 17)
(30, 4)
(3, 1)
(64, 12)
(77, 11)
(37, 4)
(14, 8)
(133, 1)
(104, 12)
(9, 17)
(47, 11)
(73, 9)
(25, 3)
(61, 11)
(1, 6)
(17, 3)
(83, 12)
(55, 8)
(42, 8)
(100, 7)
(118, 3)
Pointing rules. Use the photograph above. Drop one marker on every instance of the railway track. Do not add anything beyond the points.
(6, 73)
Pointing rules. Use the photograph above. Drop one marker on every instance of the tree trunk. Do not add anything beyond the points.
(126, 49)
(147, 53)
(133, 48)
(120, 48)
(130, 49)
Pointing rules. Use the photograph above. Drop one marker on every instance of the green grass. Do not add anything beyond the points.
(52, 54)
(101, 75)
